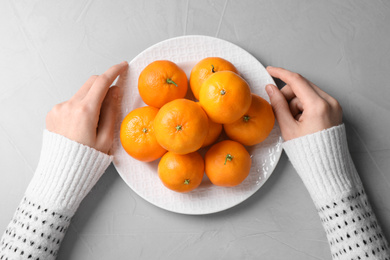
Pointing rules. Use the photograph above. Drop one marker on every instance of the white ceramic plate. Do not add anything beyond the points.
(142, 177)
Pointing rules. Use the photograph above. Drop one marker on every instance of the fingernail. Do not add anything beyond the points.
(269, 67)
(124, 63)
(270, 90)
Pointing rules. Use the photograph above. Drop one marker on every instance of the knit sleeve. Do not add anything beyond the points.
(66, 172)
(324, 164)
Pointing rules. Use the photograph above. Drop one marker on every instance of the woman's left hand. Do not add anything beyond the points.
(89, 116)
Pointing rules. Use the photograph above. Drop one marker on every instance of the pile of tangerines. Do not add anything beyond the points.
(174, 128)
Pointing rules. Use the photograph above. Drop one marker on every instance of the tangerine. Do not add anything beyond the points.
(181, 172)
(204, 68)
(181, 126)
(256, 124)
(227, 163)
(161, 82)
(137, 134)
(213, 132)
(225, 97)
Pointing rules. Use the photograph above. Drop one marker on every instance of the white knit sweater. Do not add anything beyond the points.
(324, 164)
(67, 171)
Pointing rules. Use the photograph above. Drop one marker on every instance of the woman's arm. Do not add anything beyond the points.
(323, 162)
(66, 172)
(316, 144)
(74, 155)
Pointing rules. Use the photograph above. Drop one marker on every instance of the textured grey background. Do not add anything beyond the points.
(49, 48)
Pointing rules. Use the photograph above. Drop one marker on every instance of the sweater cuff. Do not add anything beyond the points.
(66, 172)
(324, 164)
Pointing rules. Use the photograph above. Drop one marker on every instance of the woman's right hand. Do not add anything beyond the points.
(300, 107)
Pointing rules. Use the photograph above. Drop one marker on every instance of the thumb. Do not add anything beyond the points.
(280, 107)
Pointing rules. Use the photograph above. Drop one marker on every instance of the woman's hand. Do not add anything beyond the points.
(300, 107)
(89, 116)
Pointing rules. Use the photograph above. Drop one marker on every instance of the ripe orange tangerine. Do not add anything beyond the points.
(137, 135)
(161, 82)
(181, 172)
(256, 124)
(225, 97)
(204, 68)
(227, 163)
(181, 126)
(213, 133)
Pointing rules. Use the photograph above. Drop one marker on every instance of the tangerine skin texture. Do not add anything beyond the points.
(153, 86)
(191, 120)
(233, 172)
(204, 68)
(259, 124)
(181, 172)
(141, 145)
(225, 97)
(213, 133)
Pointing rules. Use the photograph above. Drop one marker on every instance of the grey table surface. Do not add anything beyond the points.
(49, 48)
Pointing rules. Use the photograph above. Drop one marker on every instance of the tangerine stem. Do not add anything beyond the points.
(223, 92)
(145, 130)
(187, 181)
(229, 158)
(212, 68)
(178, 128)
(246, 118)
(169, 81)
